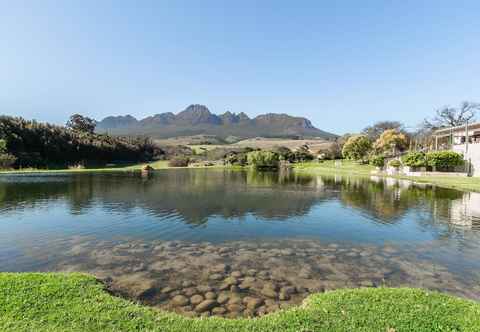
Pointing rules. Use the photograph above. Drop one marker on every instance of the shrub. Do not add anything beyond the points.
(444, 160)
(357, 147)
(377, 160)
(284, 153)
(394, 163)
(179, 162)
(263, 159)
(415, 159)
(302, 155)
(7, 160)
(236, 158)
(331, 152)
(3, 146)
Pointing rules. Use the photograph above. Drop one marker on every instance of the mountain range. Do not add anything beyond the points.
(197, 119)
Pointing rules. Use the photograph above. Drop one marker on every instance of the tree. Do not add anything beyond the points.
(451, 117)
(373, 132)
(284, 153)
(331, 151)
(81, 123)
(357, 147)
(39, 145)
(391, 141)
(3, 146)
(6, 160)
(302, 154)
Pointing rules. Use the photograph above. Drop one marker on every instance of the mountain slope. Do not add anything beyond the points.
(197, 119)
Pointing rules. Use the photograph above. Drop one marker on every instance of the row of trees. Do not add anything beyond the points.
(34, 144)
(361, 147)
(390, 138)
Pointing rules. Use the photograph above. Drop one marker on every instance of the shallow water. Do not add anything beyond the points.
(232, 243)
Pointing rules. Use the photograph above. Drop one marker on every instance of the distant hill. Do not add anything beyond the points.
(198, 120)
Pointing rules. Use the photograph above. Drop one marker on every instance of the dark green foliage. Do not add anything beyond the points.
(377, 160)
(415, 159)
(302, 154)
(179, 162)
(357, 147)
(6, 159)
(81, 123)
(3, 146)
(236, 158)
(42, 145)
(263, 159)
(284, 153)
(444, 160)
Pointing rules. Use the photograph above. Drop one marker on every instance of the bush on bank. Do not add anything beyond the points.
(263, 159)
(415, 159)
(444, 160)
(377, 160)
(441, 160)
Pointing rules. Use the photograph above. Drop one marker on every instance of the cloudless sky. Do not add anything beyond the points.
(342, 64)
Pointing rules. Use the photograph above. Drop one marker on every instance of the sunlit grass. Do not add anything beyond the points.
(346, 167)
(77, 302)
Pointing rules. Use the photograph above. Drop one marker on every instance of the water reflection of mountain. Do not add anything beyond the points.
(196, 195)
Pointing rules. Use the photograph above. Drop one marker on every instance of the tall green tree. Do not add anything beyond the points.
(357, 147)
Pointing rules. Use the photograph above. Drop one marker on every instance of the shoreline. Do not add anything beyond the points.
(76, 301)
(470, 184)
(348, 168)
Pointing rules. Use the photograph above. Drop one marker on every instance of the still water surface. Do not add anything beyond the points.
(240, 243)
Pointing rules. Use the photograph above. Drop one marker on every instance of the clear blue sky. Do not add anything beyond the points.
(343, 64)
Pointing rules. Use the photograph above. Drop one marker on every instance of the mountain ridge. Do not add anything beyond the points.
(197, 119)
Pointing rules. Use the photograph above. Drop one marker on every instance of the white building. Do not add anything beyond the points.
(462, 139)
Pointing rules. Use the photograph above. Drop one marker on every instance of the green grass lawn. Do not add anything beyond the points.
(353, 168)
(77, 302)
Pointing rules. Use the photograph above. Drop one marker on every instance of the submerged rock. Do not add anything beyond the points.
(180, 300)
(206, 305)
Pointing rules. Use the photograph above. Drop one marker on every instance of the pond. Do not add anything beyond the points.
(235, 243)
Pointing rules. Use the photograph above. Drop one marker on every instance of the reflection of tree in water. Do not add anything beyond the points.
(195, 195)
(198, 195)
(386, 199)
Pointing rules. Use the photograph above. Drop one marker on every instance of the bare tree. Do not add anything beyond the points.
(373, 132)
(451, 117)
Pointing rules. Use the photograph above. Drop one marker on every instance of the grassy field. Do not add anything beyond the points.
(352, 168)
(77, 302)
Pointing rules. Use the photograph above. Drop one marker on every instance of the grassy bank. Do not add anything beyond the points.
(352, 168)
(161, 164)
(77, 302)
